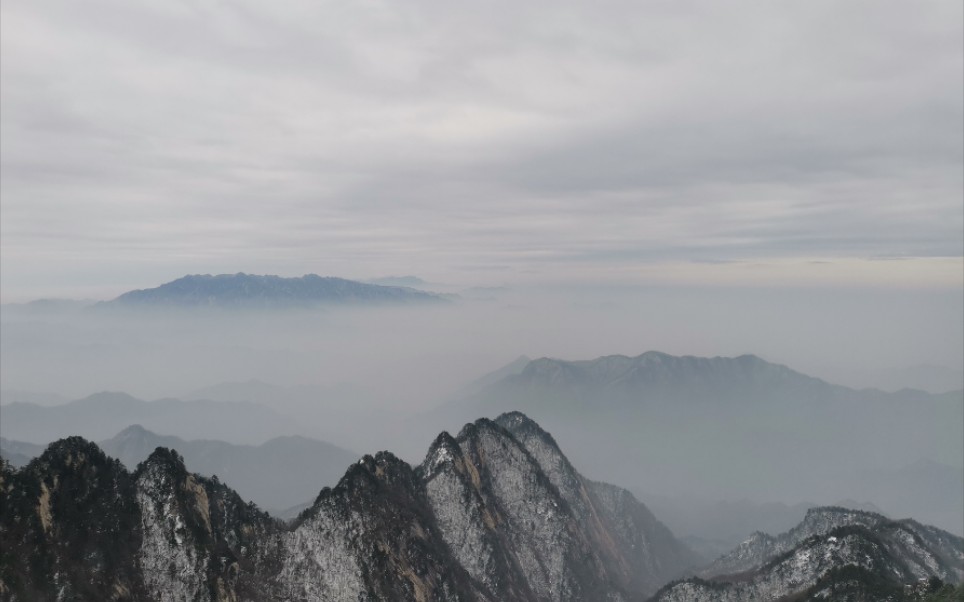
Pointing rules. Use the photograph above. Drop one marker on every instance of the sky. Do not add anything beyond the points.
(696, 177)
(673, 143)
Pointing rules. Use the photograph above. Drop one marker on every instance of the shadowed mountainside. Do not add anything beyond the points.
(494, 513)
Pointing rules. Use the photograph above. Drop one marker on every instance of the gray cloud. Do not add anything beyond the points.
(142, 141)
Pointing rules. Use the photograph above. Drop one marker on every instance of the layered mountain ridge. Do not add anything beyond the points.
(102, 415)
(494, 513)
(664, 375)
(677, 420)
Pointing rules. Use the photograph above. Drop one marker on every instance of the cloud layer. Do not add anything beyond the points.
(487, 143)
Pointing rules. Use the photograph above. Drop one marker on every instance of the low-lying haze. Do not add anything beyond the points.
(580, 180)
(369, 378)
(415, 357)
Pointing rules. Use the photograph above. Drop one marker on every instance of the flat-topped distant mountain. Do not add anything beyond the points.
(494, 513)
(250, 291)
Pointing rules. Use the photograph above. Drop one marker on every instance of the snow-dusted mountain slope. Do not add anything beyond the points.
(495, 513)
(834, 553)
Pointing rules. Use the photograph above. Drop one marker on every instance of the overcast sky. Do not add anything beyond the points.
(812, 143)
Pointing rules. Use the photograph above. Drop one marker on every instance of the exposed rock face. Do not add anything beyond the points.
(197, 535)
(752, 553)
(639, 552)
(515, 523)
(69, 527)
(833, 552)
(370, 537)
(497, 513)
(760, 546)
(77, 526)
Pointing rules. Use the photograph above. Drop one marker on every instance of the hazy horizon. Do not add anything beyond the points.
(777, 179)
(422, 354)
(782, 180)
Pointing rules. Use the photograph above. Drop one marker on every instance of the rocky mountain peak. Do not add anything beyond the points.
(74, 453)
(371, 473)
(518, 423)
(444, 450)
(163, 461)
(495, 513)
(69, 522)
(879, 557)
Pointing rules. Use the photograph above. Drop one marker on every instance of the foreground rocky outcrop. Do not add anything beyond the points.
(494, 513)
(76, 525)
(833, 554)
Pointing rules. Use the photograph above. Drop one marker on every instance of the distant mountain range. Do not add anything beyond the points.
(19, 453)
(249, 291)
(495, 513)
(707, 428)
(276, 475)
(259, 391)
(654, 375)
(740, 427)
(102, 415)
(35, 397)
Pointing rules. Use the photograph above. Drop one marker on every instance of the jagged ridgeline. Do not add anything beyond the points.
(496, 513)
(834, 554)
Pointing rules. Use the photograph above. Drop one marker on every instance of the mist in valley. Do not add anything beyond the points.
(371, 378)
(716, 252)
(413, 358)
